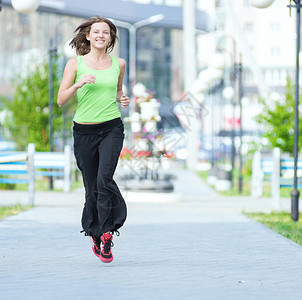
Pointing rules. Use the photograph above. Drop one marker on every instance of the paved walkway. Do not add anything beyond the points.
(192, 244)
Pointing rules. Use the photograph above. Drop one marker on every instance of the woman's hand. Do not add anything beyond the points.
(124, 100)
(85, 79)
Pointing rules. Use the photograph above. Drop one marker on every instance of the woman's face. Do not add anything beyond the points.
(99, 35)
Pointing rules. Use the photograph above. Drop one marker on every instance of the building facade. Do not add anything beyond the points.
(264, 40)
(267, 40)
(159, 46)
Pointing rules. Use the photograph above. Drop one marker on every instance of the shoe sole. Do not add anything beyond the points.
(105, 260)
(98, 255)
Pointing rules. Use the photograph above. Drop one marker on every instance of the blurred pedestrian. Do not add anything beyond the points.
(97, 79)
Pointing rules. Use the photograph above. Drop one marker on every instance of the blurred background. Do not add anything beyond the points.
(217, 68)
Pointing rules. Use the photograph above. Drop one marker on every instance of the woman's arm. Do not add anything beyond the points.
(120, 96)
(68, 88)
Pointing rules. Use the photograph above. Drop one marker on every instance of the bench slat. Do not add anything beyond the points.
(13, 180)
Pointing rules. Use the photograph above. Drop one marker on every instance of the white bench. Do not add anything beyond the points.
(23, 167)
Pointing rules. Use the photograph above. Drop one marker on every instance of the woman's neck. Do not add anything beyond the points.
(97, 54)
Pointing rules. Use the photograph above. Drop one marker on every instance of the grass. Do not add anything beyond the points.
(246, 187)
(203, 175)
(280, 223)
(6, 211)
(43, 185)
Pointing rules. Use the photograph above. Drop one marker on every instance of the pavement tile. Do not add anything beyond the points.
(197, 246)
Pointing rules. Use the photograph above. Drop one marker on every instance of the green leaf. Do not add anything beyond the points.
(28, 111)
(278, 121)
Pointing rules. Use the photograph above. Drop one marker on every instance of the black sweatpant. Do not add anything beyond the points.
(97, 148)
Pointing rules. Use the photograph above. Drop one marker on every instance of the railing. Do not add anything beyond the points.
(279, 171)
(23, 167)
(12, 164)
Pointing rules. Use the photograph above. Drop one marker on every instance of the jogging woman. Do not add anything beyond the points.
(97, 79)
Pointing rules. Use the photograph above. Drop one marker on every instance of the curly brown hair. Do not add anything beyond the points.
(82, 45)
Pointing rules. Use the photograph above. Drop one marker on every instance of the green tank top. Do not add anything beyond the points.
(97, 102)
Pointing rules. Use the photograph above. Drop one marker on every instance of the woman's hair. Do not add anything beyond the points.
(80, 42)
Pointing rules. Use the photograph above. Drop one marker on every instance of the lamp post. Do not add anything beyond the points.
(294, 193)
(235, 74)
(240, 93)
(132, 28)
(217, 63)
(210, 80)
(190, 72)
(52, 52)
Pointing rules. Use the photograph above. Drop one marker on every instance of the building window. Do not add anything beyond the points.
(248, 77)
(220, 26)
(143, 1)
(283, 77)
(275, 51)
(268, 76)
(218, 3)
(276, 77)
(248, 27)
(246, 3)
(173, 2)
(275, 27)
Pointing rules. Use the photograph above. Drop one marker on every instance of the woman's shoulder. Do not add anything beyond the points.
(121, 62)
(72, 63)
(74, 60)
(118, 59)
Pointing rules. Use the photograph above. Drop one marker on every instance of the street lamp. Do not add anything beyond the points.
(209, 80)
(229, 94)
(25, 6)
(262, 3)
(52, 51)
(236, 74)
(294, 193)
(132, 28)
(240, 94)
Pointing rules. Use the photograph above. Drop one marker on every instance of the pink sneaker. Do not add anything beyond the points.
(106, 255)
(96, 246)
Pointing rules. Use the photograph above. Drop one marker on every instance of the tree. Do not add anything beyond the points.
(278, 120)
(28, 113)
